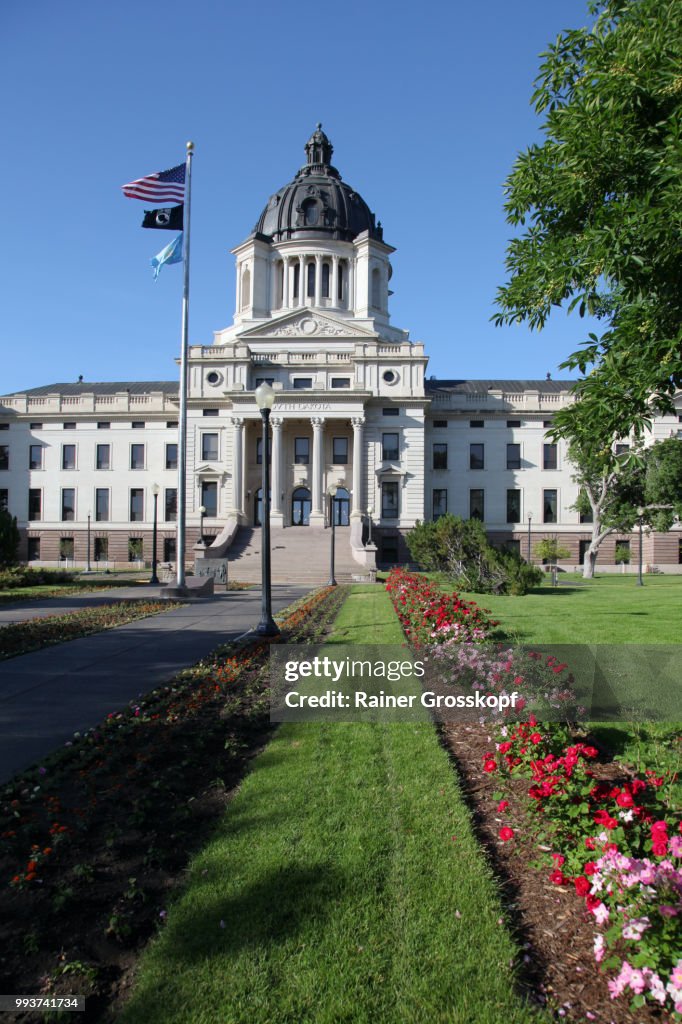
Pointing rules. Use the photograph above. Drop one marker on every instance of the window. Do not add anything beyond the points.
(340, 382)
(513, 423)
(389, 500)
(297, 275)
(477, 424)
(622, 448)
(512, 546)
(4, 456)
(340, 451)
(264, 380)
(36, 426)
(34, 549)
(210, 412)
(301, 451)
(102, 505)
(209, 497)
(623, 549)
(390, 410)
(340, 287)
(137, 456)
(169, 549)
(68, 456)
(259, 452)
(549, 506)
(209, 447)
(35, 504)
(311, 281)
(325, 280)
(547, 423)
(390, 447)
(138, 424)
(4, 426)
(136, 505)
(171, 505)
(69, 426)
(101, 549)
(171, 456)
(440, 424)
(440, 456)
(4, 499)
(583, 547)
(301, 383)
(35, 456)
(476, 504)
(103, 456)
(513, 506)
(135, 549)
(389, 550)
(549, 459)
(476, 456)
(66, 548)
(171, 423)
(440, 502)
(390, 376)
(513, 456)
(103, 426)
(68, 504)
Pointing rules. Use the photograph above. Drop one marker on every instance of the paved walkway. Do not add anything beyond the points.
(47, 696)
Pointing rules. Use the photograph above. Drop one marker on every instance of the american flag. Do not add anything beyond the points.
(162, 187)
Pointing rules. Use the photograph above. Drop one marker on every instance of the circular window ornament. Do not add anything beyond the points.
(390, 376)
(214, 378)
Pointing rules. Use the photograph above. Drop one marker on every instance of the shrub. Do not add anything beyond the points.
(9, 538)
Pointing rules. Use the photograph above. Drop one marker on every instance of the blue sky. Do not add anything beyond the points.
(426, 106)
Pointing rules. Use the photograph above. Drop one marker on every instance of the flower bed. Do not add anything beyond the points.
(429, 616)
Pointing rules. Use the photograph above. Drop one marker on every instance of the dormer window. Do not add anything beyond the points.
(311, 212)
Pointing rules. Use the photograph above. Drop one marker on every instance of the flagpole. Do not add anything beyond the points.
(182, 428)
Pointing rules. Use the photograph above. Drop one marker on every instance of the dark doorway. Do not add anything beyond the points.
(300, 507)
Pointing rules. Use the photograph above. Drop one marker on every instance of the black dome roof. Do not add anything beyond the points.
(317, 203)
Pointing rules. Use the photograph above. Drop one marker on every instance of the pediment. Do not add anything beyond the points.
(307, 324)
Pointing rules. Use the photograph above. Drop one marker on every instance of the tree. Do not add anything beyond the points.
(9, 538)
(600, 205)
(551, 551)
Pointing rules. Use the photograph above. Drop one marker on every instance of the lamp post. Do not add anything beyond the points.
(265, 398)
(202, 513)
(87, 568)
(530, 516)
(154, 581)
(331, 491)
(370, 513)
(640, 581)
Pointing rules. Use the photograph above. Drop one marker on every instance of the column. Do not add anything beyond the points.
(317, 506)
(318, 280)
(276, 514)
(334, 296)
(237, 466)
(358, 504)
(285, 287)
(302, 283)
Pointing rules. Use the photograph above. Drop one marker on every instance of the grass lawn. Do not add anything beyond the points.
(344, 886)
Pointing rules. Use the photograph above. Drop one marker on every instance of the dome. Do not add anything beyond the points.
(317, 204)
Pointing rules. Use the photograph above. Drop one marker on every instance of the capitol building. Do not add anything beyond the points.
(84, 465)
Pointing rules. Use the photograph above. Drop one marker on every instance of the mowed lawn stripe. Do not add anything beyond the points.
(343, 886)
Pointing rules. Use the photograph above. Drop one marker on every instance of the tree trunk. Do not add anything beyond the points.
(589, 563)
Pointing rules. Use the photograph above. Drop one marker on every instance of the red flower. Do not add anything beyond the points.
(504, 747)
(590, 843)
(589, 751)
(604, 819)
(506, 834)
(490, 766)
(557, 877)
(624, 799)
(559, 859)
(582, 885)
(590, 868)
(535, 737)
(503, 805)
(592, 902)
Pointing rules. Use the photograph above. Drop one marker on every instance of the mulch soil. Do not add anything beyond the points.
(550, 922)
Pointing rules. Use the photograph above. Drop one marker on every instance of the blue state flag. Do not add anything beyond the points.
(171, 254)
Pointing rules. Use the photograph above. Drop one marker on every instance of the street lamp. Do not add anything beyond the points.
(530, 516)
(154, 581)
(87, 569)
(370, 513)
(331, 491)
(640, 581)
(265, 398)
(202, 513)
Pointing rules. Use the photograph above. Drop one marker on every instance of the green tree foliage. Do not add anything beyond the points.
(622, 555)
(599, 205)
(460, 549)
(550, 550)
(9, 538)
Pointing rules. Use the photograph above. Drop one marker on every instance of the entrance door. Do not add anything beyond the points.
(341, 505)
(300, 507)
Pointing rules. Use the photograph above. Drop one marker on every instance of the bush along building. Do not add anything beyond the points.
(84, 465)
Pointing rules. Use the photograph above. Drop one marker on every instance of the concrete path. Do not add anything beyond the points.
(47, 696)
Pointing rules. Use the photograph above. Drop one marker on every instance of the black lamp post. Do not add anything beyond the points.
(154, 581)
(530, 516)
(332, 496)
(265, 398)
(370, 513)
(640, 581)
(87, 568)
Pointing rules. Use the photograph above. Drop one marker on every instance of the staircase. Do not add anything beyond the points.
(298, 555)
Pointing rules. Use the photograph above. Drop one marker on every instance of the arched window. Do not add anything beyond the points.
(376, 288)
(246, 288)
(311, 281)
(325, 280)
(311, 212)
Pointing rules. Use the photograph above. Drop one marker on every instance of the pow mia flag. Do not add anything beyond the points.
(169, 217)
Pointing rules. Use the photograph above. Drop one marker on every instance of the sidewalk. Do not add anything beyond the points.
(47, 696)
